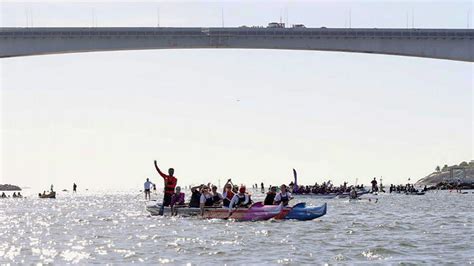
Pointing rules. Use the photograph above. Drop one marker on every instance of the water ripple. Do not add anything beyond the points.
(114, 228)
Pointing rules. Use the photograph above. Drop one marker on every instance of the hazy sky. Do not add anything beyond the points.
(100, 119)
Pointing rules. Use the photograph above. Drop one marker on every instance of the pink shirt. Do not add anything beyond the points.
(178, 200)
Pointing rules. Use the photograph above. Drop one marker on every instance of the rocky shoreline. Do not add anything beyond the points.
(8, 187)
(449, 177)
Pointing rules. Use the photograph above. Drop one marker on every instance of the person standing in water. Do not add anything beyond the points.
(170, 184)
(74, 188)
(374, 185)
(147, 187)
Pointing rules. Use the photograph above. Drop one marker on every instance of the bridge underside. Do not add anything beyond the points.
(24, 42)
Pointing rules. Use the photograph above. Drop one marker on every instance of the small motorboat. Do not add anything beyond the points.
(50, 195)
(302, 212)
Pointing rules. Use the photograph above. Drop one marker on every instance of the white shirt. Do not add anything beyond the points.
(235, 200)
(204, 197)
(278, 196)
(148, 184)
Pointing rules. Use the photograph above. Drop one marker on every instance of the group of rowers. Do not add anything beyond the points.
(207, 196)
(15, 195)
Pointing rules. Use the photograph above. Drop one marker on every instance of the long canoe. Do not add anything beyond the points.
(256, 212)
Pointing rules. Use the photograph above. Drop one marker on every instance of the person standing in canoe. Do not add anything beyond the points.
(170, 184)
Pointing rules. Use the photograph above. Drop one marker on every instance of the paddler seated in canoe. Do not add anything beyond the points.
(270, 198)
(206, 199)
(283, 197)
(240, 200)
(170, 184)
(227, 194)
(177, 200)
(216, 196)
(195, 196)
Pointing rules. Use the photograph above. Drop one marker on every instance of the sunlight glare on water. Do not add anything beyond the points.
(115, 228)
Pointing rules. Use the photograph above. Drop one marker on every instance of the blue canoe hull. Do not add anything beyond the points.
(302, 213)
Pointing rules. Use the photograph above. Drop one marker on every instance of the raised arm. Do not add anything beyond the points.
(228, 182)
(196, 187)
(159, 171)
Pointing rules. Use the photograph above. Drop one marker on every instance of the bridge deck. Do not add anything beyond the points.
(452, 44)
(242, 31)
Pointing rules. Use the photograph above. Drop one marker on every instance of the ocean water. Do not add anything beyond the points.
(115, 228)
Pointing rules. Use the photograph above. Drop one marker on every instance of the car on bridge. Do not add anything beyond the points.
(276, 25)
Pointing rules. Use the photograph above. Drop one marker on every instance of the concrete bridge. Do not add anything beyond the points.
(451, 44)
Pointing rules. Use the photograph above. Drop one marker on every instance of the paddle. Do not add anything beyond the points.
(232, 212)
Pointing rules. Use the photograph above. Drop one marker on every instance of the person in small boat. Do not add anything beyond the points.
(3, 195)
(241, 199)
(283, 197)
(270, 198)
(195, 196)
(216, 196)
(227, 194)
(19, 195)
(170, 184)
(147, 188)
(14, 195)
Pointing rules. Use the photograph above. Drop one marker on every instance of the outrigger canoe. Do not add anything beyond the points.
(302, 213)
(257, 212)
